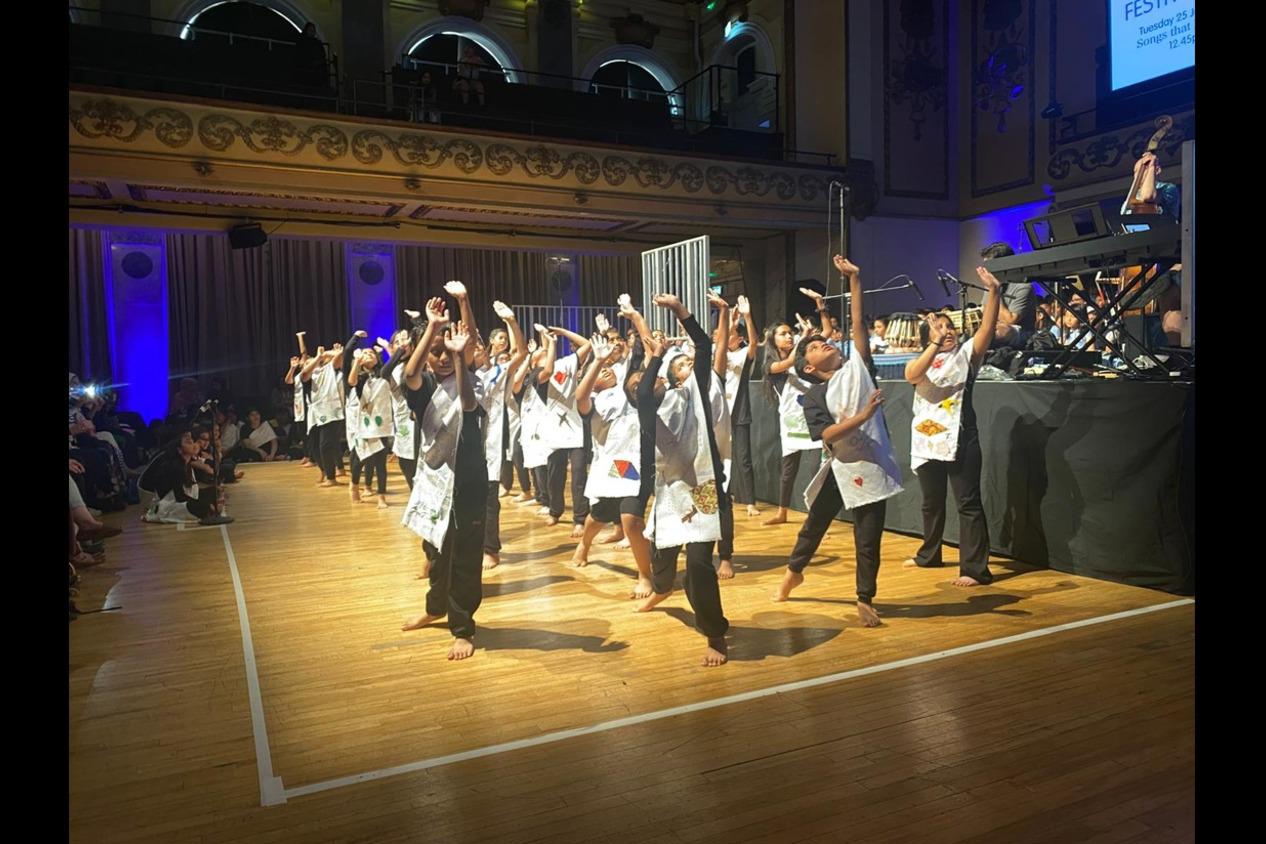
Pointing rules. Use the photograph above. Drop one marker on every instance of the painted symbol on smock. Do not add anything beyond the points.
(930, 428)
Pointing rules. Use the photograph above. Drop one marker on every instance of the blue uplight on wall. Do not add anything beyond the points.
(136, 306)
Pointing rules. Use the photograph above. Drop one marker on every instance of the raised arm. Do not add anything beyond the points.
(290, 373)
(859, 332)
(466, 314)
(302, 349)
(993, 299)
(348, 356)
(319, 359)
(601, 349)
(917, 368)
(744, 311)
(456, 342)
(550, 342)
(819, 302)
(518, 346)
(436, 320)
(723, 333)
(581, 344)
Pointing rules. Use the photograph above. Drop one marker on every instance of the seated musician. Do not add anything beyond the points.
(1017, 318)
(1167, 198)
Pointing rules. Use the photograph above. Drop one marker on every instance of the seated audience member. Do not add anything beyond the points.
(186, 401)
(177, 495)
(878, 328)
(258, 442)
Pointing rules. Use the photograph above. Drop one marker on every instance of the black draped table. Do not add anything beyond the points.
(1088, 477)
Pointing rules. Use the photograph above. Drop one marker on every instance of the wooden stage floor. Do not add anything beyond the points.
(345, 725)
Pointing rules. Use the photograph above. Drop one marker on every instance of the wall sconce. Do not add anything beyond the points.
(202, 168)
(413, 183)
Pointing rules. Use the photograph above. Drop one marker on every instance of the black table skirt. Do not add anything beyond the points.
(1088, 477)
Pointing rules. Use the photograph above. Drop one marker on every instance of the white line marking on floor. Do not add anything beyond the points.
(563, 735)
(271, 790)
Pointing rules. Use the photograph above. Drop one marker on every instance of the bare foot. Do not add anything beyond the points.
(462, 648)
(426, 570)
(542, 511)
(725, 571)
(752, 511)
(550, 521)
(326, 482)
(643, 589)
(306, 462)
(491, 561)
(717, 652)
(239, 474)
(653, 600)
(909, 564)
(790, 581)
(523, 499)
(504, 492)
(420, 622)
(616, 535)
(577, 531)
(866, 615)
(382, 502)
(779, 518)
(355, 493)
(624, 544)
(580, 558)
(964, 581)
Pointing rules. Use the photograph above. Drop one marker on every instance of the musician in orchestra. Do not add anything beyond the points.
(944, 443)
(1017, 315)
(1167, 197)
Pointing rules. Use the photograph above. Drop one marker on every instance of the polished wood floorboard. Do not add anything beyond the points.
(1084, 735)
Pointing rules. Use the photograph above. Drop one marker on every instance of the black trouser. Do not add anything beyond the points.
(868, 530)
(540, 479)
(241, 454)
(558, 463)
(702, 589)
(312, 444)
(457, 569)
(963, 475)
(492, 520)
(332, 436)
(790, 466)
(408, 468)
(525, 476)
(375, 463)
(725, 548)
(743, 482)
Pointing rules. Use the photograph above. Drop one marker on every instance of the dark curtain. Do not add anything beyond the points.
(516, 278)
(235, 313)
(604, 277)
(88, 319)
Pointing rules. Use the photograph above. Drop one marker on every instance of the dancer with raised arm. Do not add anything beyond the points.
(844, 412)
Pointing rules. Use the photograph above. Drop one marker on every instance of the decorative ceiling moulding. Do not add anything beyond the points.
(230, 135)
(635, 29)
(249, 199)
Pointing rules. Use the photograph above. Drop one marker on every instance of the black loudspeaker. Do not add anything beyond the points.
(248, 236)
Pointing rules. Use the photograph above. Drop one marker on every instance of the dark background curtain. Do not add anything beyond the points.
(604, 277)
(514, 277)
(234, 313)
(89, 331)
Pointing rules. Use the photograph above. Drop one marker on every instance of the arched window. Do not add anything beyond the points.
(744, 91)
(623, 78)
(241, 18)
(631, 71)
(442, 52)
(443, 41)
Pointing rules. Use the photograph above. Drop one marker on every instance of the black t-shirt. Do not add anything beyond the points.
(777, 381)
(816, 413)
